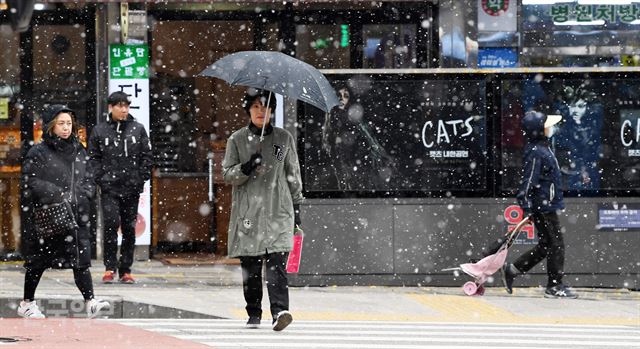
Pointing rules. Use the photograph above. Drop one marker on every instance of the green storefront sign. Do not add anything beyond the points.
(561, 13)
(128, 61)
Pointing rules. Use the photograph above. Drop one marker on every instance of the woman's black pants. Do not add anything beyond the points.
(277, 283)
(82, 277)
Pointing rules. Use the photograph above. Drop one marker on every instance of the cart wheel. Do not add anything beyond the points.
(469, 288)
(480, 290)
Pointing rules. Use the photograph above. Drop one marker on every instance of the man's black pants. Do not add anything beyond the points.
(277, 283)
(550, 246)
(119, 211)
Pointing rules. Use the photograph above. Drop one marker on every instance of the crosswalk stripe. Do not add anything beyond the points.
(386, 325)
(219, 345)
(225, 333)
(315, 339)
(213, 331)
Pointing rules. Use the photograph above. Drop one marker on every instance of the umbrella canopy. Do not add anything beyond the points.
(278, 73)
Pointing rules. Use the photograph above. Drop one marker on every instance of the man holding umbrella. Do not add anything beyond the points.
(261, 163)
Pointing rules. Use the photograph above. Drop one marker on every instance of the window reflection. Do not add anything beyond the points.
(324, 46)
(389, 46)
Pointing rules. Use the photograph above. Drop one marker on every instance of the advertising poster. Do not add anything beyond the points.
(129, 73)
(597, 143)
(398, 135)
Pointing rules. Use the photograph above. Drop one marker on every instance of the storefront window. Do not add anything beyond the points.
(324, 46)
(191, 114)
(398, 135)
(60, 71)
(596, 143)
(10, 142)
(9, 105)
(571, 34)
(389, 46)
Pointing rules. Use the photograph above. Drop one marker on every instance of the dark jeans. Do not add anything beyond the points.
(119, 211)
(277, 283)
(550, 246)
(82, 276)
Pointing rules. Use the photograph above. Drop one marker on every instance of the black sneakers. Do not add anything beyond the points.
(559, 291)
(253, 322)
(507, 278)
(282, 320)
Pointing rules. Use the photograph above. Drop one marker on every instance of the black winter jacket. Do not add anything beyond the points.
(47, 176)
(120, 156)
(541, 184)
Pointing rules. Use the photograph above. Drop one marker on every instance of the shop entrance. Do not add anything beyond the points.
(192, 117)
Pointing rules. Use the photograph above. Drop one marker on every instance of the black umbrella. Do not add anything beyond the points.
(278, 73)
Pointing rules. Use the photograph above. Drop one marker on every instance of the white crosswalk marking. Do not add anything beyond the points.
(392, 335)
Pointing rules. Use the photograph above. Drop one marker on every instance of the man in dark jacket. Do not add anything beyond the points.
(540, 197)
(120, 161)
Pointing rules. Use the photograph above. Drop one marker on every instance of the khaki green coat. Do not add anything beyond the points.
(262, 204)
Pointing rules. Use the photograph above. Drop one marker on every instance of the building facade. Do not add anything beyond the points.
(415, 172)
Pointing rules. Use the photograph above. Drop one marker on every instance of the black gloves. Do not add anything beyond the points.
(296, 215)
(252, 164)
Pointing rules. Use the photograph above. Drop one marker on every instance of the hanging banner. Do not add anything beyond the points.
(497, 15)
(129, 73)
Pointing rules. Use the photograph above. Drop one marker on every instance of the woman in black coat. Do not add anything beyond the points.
(47, 172)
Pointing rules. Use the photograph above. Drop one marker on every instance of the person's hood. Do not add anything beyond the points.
(52, 111)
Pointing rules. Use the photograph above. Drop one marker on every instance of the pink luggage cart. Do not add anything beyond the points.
(487, 266)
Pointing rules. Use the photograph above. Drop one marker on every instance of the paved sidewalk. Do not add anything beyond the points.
(216, 291)
(57, 333)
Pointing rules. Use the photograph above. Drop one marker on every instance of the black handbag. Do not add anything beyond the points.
(55, 219)
(58, 218)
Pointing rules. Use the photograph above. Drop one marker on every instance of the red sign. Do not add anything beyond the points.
(513, 215)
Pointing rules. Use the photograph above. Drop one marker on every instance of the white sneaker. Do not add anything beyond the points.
(282, 320)
(30, 310)
(94, 307)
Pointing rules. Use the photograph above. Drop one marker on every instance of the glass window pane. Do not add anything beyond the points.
(398, 135)
(193, 114)
(9, 104)
(596, 144)
(571, 34)
(9, 64)
(59, 71)
(324, 46)
(389, 46)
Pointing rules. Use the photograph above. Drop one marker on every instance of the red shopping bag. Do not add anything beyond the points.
(293, 263)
